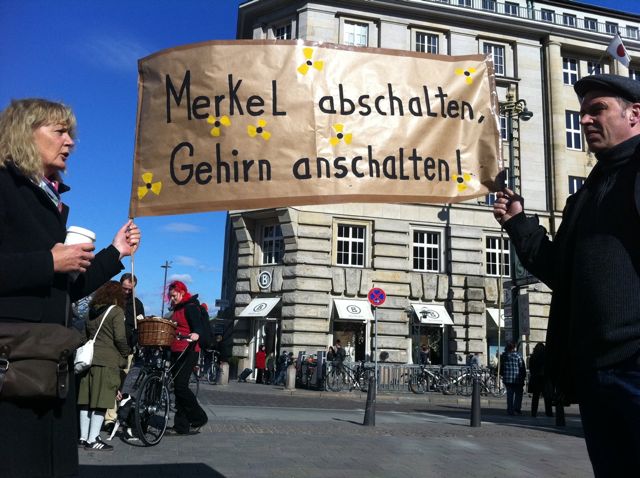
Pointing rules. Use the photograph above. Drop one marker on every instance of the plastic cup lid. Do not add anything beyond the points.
(81, 230)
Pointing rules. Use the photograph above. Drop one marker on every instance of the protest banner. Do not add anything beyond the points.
(228, 125)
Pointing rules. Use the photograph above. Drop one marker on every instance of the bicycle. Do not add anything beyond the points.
(340, 374)
(428, 379)
(152, 399)
(488, 382)
(208, 366)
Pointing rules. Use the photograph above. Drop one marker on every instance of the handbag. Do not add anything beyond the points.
(84, 355)
(34, 360)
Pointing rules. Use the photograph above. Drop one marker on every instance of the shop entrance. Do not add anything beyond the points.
(265, 332)
(434, 337)
(354, 336)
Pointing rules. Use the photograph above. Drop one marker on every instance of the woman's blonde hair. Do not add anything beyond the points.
(17, 124)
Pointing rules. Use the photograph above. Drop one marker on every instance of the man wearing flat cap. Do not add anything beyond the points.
(593, 269)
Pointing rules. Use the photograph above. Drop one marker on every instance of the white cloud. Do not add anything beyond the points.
(186, 278)
(181, 227)
(187, 261)
(114, 51)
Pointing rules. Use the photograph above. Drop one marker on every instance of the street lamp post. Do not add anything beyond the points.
(514, 110)
(166, 267)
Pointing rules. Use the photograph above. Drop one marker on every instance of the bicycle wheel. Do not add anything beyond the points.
(152, 410)
(194, 383)
(465, 385)
(335, 381)
(418, 383)
(495, 386)
(212, 374)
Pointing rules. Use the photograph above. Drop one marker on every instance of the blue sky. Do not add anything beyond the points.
(85, 53)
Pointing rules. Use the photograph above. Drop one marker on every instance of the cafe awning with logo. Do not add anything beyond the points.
(496, 314)
(431, 314)
(353, 309)
(260, 307)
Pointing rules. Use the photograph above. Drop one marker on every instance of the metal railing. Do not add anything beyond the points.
(545, 15)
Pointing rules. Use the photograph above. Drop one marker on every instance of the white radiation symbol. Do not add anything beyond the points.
(353, 309)
(259, 307)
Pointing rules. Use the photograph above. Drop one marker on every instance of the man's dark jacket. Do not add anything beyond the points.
(597, 235)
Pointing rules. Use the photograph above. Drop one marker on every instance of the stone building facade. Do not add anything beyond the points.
(297, 278)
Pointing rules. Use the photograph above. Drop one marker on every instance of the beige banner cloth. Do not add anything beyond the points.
(229, 125)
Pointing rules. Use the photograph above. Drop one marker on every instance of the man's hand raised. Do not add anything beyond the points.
(507, 205)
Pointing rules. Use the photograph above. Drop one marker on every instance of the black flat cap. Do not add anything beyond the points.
(622, 86)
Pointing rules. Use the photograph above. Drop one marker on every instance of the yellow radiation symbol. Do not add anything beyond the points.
(304, 68)
(467, 73)
(217, 123)
(462, 180)
(259, 130)
(149, 185)
(340, 135)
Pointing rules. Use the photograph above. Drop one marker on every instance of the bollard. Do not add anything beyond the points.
(370, 408)
(475, 403)
(291, 377)
(223, 376)
(560, 421)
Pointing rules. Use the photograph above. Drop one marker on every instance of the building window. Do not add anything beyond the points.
(497, 52)
(350, 245)
(575, 183)
(427, 42)
(611, 27)
(282, 32)
(272, 244)
(569, 71)
(569, 20)
(464, 3)
(356, 34)
(511, 8)
(590, 24)
(489, 5)
(632, 32)
(634, 74)
(594, 68)
(503, 128)
(574, 138)
(497, 256)
(547, 15)
(426, 251)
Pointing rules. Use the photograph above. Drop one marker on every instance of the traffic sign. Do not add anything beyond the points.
(376, 296)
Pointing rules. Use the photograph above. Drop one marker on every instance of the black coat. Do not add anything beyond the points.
(552, 263)
(43, 441)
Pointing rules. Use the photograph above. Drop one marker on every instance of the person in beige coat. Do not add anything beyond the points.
(99, 384)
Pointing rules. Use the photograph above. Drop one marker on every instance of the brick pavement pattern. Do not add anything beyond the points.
(263, 431)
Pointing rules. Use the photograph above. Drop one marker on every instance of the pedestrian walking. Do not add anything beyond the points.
(100, 383)
(513, 373)
(185, 311)
(538, 384)
(261, 363)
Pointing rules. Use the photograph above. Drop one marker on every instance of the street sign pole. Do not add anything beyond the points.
(375, 343)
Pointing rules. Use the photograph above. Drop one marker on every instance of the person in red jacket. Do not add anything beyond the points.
(261, 363)
(184, 356)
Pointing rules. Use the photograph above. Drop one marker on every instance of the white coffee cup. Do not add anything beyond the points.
(78, 235)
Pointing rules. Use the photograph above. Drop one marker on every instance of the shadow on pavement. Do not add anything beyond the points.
(178, 470)
(499, 417)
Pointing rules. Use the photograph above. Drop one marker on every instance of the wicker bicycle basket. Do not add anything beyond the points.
(154, 331)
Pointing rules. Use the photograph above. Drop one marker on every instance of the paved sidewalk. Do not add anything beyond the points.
(264, 431)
